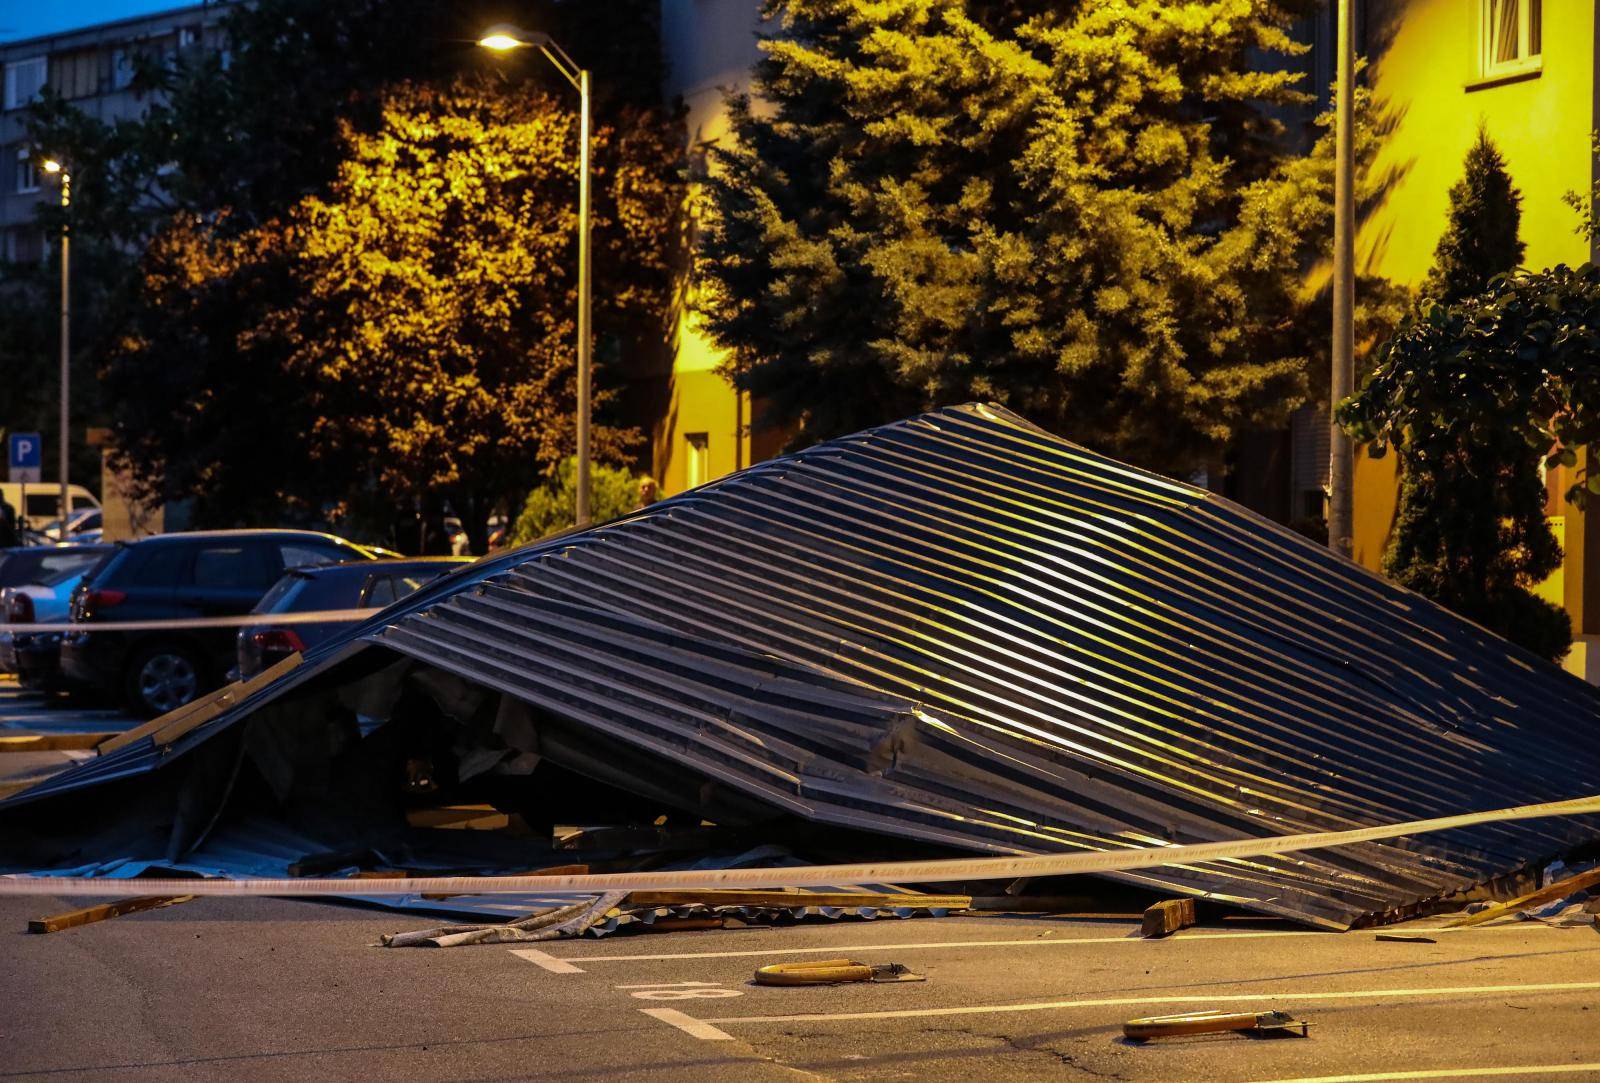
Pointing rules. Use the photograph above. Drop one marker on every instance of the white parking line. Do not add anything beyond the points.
(695, 1028)
(1535, 1070)
(549, 962)
(1035, 942)
(1262, 996)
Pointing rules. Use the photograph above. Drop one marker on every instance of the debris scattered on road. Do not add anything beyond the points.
(1405, 938)
(1257, 1024)
(954, 634)
(102, 912)
(1166, 918)
(1559, 891)
(832, 972)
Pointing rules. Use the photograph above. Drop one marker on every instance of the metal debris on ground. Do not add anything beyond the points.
(1569, 891)
(1405, 938)
(666, 911)
(833, 972)
(1256, 1024)
(952, 634)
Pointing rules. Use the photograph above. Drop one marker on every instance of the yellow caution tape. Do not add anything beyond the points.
(915, 872)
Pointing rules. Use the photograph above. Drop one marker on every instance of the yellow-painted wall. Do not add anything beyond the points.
(710, 47)
(1425, 74)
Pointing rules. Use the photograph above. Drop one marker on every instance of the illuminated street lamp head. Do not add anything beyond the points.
(503, 37)
(52, 166)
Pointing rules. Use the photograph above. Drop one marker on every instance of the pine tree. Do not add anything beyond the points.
(1083, 210)
(1481, 236)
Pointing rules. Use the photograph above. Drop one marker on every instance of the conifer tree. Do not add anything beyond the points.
(1481, 236)
(1084, 210)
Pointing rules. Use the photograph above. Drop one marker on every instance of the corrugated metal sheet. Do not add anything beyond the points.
(961, 629)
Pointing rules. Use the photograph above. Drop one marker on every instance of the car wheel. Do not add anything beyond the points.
(162, 678)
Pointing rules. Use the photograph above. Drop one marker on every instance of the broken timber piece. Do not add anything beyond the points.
(1212, 1022)
(91, 914)
(1166, 918)
(1548, 893)
(832, 972)
(54, 742)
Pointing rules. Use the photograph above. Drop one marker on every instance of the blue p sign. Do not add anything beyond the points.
(25, 456)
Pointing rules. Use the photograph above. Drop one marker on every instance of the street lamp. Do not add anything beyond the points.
(55, 167)
(504, 38)
(1341, 455)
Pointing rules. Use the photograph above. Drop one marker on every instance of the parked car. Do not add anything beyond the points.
(35, 657)
(176, 576)
(36, 587)
(341, 586)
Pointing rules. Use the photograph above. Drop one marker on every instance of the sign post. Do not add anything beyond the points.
(25, 457)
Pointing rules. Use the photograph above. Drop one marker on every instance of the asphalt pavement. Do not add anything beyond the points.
(279, 989)
(24, 713)
(288, 989)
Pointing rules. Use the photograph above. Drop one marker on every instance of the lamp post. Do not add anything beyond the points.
(1341, 456)
(504, 38)
(53, 166)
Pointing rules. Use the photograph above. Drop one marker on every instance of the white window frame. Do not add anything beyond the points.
(40, 66)
(31, 172)
(1524, 61)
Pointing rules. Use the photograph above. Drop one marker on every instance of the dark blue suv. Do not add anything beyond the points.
(176, 576)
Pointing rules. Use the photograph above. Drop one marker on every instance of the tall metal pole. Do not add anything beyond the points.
(584, 334)
(66, 348)
(1341, 456)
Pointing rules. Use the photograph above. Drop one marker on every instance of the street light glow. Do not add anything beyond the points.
(500, 43)
(52, 166)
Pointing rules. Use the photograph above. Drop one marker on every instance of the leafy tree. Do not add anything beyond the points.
(1472, 396)
(419, 316)
(1481, 234)
(210, 195)
(1084, 210)
(553, 505)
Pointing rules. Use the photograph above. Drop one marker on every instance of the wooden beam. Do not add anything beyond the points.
(91, 914)
(1166, 918)
(54, 742)
(1549, 893)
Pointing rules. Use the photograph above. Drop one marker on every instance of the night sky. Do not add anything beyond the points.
(21, 19)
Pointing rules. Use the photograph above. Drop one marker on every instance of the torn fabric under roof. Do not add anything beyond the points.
(961, 630)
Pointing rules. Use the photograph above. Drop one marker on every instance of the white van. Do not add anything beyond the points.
(41, 503)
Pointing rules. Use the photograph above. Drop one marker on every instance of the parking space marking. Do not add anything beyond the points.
(549, 962)
(1034, 942)
(695, 1028)
(1535, 1070)
(1265, 995)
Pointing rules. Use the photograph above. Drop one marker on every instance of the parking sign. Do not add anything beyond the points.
(25, 456)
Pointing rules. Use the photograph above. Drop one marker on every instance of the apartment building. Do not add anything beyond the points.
(94, 69)
(1525, 71)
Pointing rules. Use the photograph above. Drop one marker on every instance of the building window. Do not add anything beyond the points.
(24, 80)
(27, 174)
(1512, 35)
(698, 464)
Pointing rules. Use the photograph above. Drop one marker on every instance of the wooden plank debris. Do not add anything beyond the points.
(1549, 893)
(91, 914)
(53, 742)
(1166, 918)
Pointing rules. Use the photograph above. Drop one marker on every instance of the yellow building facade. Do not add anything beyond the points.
(1524, 70)
(710, 47)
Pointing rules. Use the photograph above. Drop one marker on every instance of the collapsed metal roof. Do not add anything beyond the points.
(963, 630)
